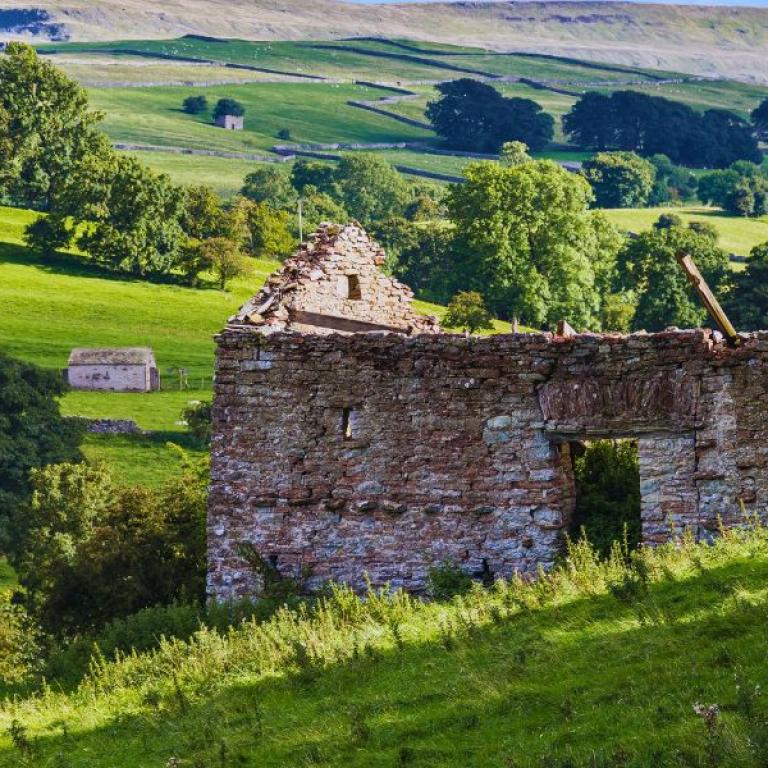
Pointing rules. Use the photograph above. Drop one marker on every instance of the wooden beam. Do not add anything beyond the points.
(708, 298)
(344, 324)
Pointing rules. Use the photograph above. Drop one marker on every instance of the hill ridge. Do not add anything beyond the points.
(704, 40)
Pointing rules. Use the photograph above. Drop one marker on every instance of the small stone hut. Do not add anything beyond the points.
(117, 369)
(231, 122)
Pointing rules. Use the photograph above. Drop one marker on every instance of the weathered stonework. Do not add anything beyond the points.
(383, 453)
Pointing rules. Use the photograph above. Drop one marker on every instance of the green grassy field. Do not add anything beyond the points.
(737, 235)
(312, 113)
(597, 666)
(317, 112)
(49, 307)
(365, 59)
(225, 175)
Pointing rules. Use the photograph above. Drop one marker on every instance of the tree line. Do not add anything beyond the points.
(474, 116)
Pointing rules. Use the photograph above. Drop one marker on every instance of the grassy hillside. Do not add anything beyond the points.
(317, 110)
(704, 40)
(49, 307)
(312, 113)
(737, 234)
(225, 175)
(599, 665)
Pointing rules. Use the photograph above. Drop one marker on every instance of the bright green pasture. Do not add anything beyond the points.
(366, 59)
(312, 113)
(737, 234)
(50, 307)
(595, 667)
(225, 175)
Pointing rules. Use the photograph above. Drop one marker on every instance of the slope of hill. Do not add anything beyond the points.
(699, 39)
(599, 666)
(50, 306)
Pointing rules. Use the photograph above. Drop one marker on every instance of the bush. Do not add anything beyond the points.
(138, 632)
(19, 649)
(619, 179)
(195, 105)
(122, 550)
(608, 495)
(447, 580)
(284, 134)
(468, 312)
(198, 418)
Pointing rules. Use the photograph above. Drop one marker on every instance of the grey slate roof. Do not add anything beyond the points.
(112, 356)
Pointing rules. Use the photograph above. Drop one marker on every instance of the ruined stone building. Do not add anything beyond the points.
(352, 437)
(118, 369)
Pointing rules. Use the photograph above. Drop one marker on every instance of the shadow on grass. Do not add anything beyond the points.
(74, 265)
(595, 682)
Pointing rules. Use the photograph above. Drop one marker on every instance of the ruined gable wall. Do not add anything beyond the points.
(336, 273)
(459, 447)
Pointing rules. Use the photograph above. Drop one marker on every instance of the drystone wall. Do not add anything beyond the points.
(382, 454)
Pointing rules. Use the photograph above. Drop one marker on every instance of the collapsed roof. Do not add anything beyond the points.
(333, 283)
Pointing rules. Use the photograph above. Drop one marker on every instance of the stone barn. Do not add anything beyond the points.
(121, 369)
(352, 437)
(231, 122)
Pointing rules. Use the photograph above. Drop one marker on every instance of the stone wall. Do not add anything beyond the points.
(382, 454)
(118, 378)
(334, 283)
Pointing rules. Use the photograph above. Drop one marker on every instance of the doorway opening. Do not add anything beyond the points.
(607, 479)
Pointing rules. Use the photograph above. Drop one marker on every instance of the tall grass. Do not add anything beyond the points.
(607, 657)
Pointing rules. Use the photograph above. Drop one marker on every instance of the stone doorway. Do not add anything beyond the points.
(607, 494)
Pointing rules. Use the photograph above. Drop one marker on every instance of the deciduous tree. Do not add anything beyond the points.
(619, 179)
(195, 105)
(648, 265)
(474, 116)
(748, 304)
(468, 312)
(33, 433)
(46, 127)
(525, 238)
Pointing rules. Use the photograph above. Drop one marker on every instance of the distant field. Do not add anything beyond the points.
(737, 235)
(366, 59)
(312, 113)
(103, 69)
(224, 175)
(741, 98)
(316, 111)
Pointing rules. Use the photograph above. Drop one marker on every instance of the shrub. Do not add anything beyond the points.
(467, 311)
(447, 580)
(127, 549)
(141, 631)
(608, 495)
(619, 179)
(19, 648)
(284, 134)
(198, 418)
(195, 105)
